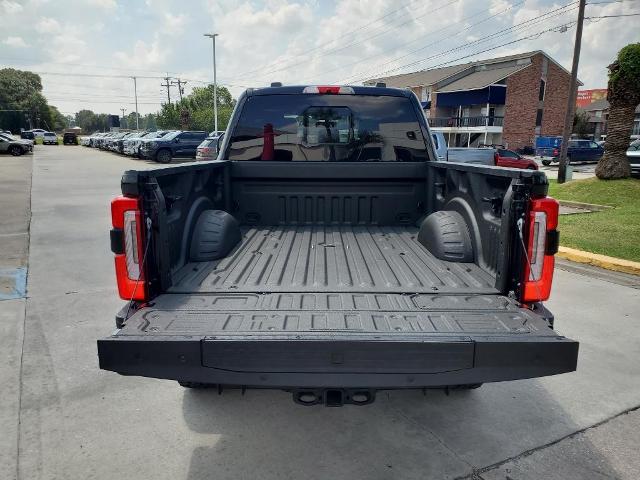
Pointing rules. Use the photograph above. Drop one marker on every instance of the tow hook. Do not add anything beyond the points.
(334, 397)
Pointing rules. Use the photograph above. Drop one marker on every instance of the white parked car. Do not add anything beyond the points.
(49, 138)
(38, 132)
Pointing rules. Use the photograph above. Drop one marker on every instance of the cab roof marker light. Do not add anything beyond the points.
(328, 89)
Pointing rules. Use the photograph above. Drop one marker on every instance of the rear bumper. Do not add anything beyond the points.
(363, 362)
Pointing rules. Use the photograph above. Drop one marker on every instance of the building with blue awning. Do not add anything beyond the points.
(506, 100)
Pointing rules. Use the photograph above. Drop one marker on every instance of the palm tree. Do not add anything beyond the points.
(623, 94)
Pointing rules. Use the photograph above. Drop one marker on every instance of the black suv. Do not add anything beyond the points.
(176, 144)
(70, 138)
(28, 136)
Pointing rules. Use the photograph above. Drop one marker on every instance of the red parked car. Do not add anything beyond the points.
(509, 158)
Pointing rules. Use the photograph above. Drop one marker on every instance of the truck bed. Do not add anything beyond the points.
(318, 258)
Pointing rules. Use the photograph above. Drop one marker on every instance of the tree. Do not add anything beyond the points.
(86, 120)
(581, 126)
(58, 120)
(199, 106)
(623, 94)
(130, 121)
(149, 122)
(21, 96)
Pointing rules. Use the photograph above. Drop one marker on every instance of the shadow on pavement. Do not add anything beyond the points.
(402, 435)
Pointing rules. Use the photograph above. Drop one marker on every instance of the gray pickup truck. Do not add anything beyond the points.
(328, 253)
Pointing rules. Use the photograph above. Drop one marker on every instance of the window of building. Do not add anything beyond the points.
(539, 117)
(543, 85)
(598, 113)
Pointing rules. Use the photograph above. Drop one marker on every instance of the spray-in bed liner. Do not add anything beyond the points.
(332, 259)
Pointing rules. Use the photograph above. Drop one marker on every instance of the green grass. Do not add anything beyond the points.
(614, 232)
(39, 141)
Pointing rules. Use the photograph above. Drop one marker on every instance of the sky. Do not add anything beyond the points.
(87, 50)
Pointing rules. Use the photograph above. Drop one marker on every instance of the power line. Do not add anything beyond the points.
(613, 16)
(535, 35)
(72, 64)
(428, 35)
(306, 53)
(514, 28)
(179, 83)
(348, 45)
(84, 100)
(168, 85)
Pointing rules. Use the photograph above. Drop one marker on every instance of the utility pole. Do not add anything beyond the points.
(168, 85)
(180, 84)
(135, 93)
(571, 101)
(213, 36)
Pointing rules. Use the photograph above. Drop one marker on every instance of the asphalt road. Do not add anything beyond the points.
(62, 417)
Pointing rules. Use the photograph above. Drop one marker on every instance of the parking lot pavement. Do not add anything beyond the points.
(77, 421)
(15, 186)
(580, 170)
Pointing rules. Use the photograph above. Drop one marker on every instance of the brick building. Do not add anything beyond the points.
(598, 115)
(505, 100)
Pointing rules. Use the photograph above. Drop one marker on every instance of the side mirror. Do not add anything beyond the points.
(177, 140)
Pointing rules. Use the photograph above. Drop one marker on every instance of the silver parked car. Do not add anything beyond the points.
(208, 149)
(633, 154)
(15, 147)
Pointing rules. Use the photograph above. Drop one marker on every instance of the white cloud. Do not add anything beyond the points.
(9, 6)
(143, 55)
(16, 42)
(47, 25)
(106, 4)
(174, 24)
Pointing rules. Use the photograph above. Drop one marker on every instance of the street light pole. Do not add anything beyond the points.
(135, 93)
(213, 36)
(571, 102)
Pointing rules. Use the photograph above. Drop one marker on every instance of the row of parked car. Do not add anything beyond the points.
(14, 146)
(49, 138)
(161, 146)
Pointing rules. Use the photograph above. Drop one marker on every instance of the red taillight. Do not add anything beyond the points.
(555, 152)
(542, 244)
(496, 158)
(127, 219)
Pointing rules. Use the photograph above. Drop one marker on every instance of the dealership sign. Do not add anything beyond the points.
(587, 97)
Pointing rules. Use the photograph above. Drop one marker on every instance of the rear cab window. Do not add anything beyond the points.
(328, 128)
(209, 142)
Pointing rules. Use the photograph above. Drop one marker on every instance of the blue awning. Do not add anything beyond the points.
(494, 94)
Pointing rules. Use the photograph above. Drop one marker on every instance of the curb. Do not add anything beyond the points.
(602, 261)
(587, 206)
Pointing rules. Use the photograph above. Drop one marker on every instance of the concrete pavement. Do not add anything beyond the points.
(15, 215)
(77, 421)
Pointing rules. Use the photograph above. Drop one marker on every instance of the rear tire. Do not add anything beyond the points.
(15, 151)
(163, 156)
(546, 163)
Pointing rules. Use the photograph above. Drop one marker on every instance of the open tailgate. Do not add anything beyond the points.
(295, 340)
